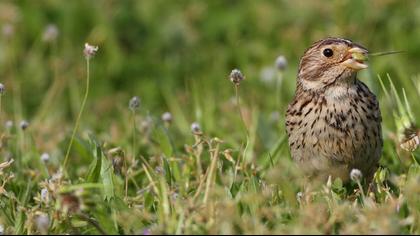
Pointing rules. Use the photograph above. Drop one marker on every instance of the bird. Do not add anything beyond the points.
(333, 122)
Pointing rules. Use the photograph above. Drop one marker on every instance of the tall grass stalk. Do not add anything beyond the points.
(76, 126)
(238, 105)
(212, 170)
(0, 108)
(133, 112)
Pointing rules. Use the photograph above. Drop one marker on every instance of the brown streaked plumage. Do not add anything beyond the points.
(334, 121)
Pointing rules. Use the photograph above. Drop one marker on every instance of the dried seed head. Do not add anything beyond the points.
(117, 163)
(24, 124)
(134, 103)
(356, 175)
(236, 76)
(195, 128)
(228, 155)
(2, 89)
(50, 33)
(411, 144)
(45, 157)
(281, 63)
(90, 51)
(167, 117)
(57, 176)
(411, 139)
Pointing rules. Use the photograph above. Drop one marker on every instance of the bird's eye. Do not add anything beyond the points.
(328, 52)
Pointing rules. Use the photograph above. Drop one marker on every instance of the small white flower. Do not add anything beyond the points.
(1, 229)
(24, 124)
(236, 76)
(356, 175)
(167, 117)
(2, 89)
(50, 33)
(281, 63)
(299, 196)
(45, 157)
(45, 196)
(134, 103)
(195, 127)
(90, 50)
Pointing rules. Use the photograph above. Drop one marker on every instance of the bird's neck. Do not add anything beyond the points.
(339, 88)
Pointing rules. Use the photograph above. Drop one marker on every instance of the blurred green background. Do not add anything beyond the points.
(177, 56)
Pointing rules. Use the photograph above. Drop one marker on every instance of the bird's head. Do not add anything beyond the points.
(331, 61)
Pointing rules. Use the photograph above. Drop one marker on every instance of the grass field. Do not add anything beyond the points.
(194, 154)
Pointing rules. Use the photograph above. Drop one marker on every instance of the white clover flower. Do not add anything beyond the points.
(356, 175)
(134, 103)
(236, 76)
(195, 127)
(2, 89)
(281, 63)
(45, 196)
(90, 50)
(50, 33)
(45, 157)
(299, 196)
(167, 117)
(24, 124)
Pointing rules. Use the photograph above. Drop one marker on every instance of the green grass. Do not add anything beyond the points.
(130, 172)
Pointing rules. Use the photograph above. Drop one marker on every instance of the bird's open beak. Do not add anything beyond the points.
(356, 58)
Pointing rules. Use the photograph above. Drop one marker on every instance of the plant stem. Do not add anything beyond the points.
(240, 111)
(0, 107)
(134, 152)
(134, 134)
(79, 116)
(278, 83)
(242, 119)
(211, 172)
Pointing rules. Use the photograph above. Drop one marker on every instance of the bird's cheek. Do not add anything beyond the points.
(312, 84)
